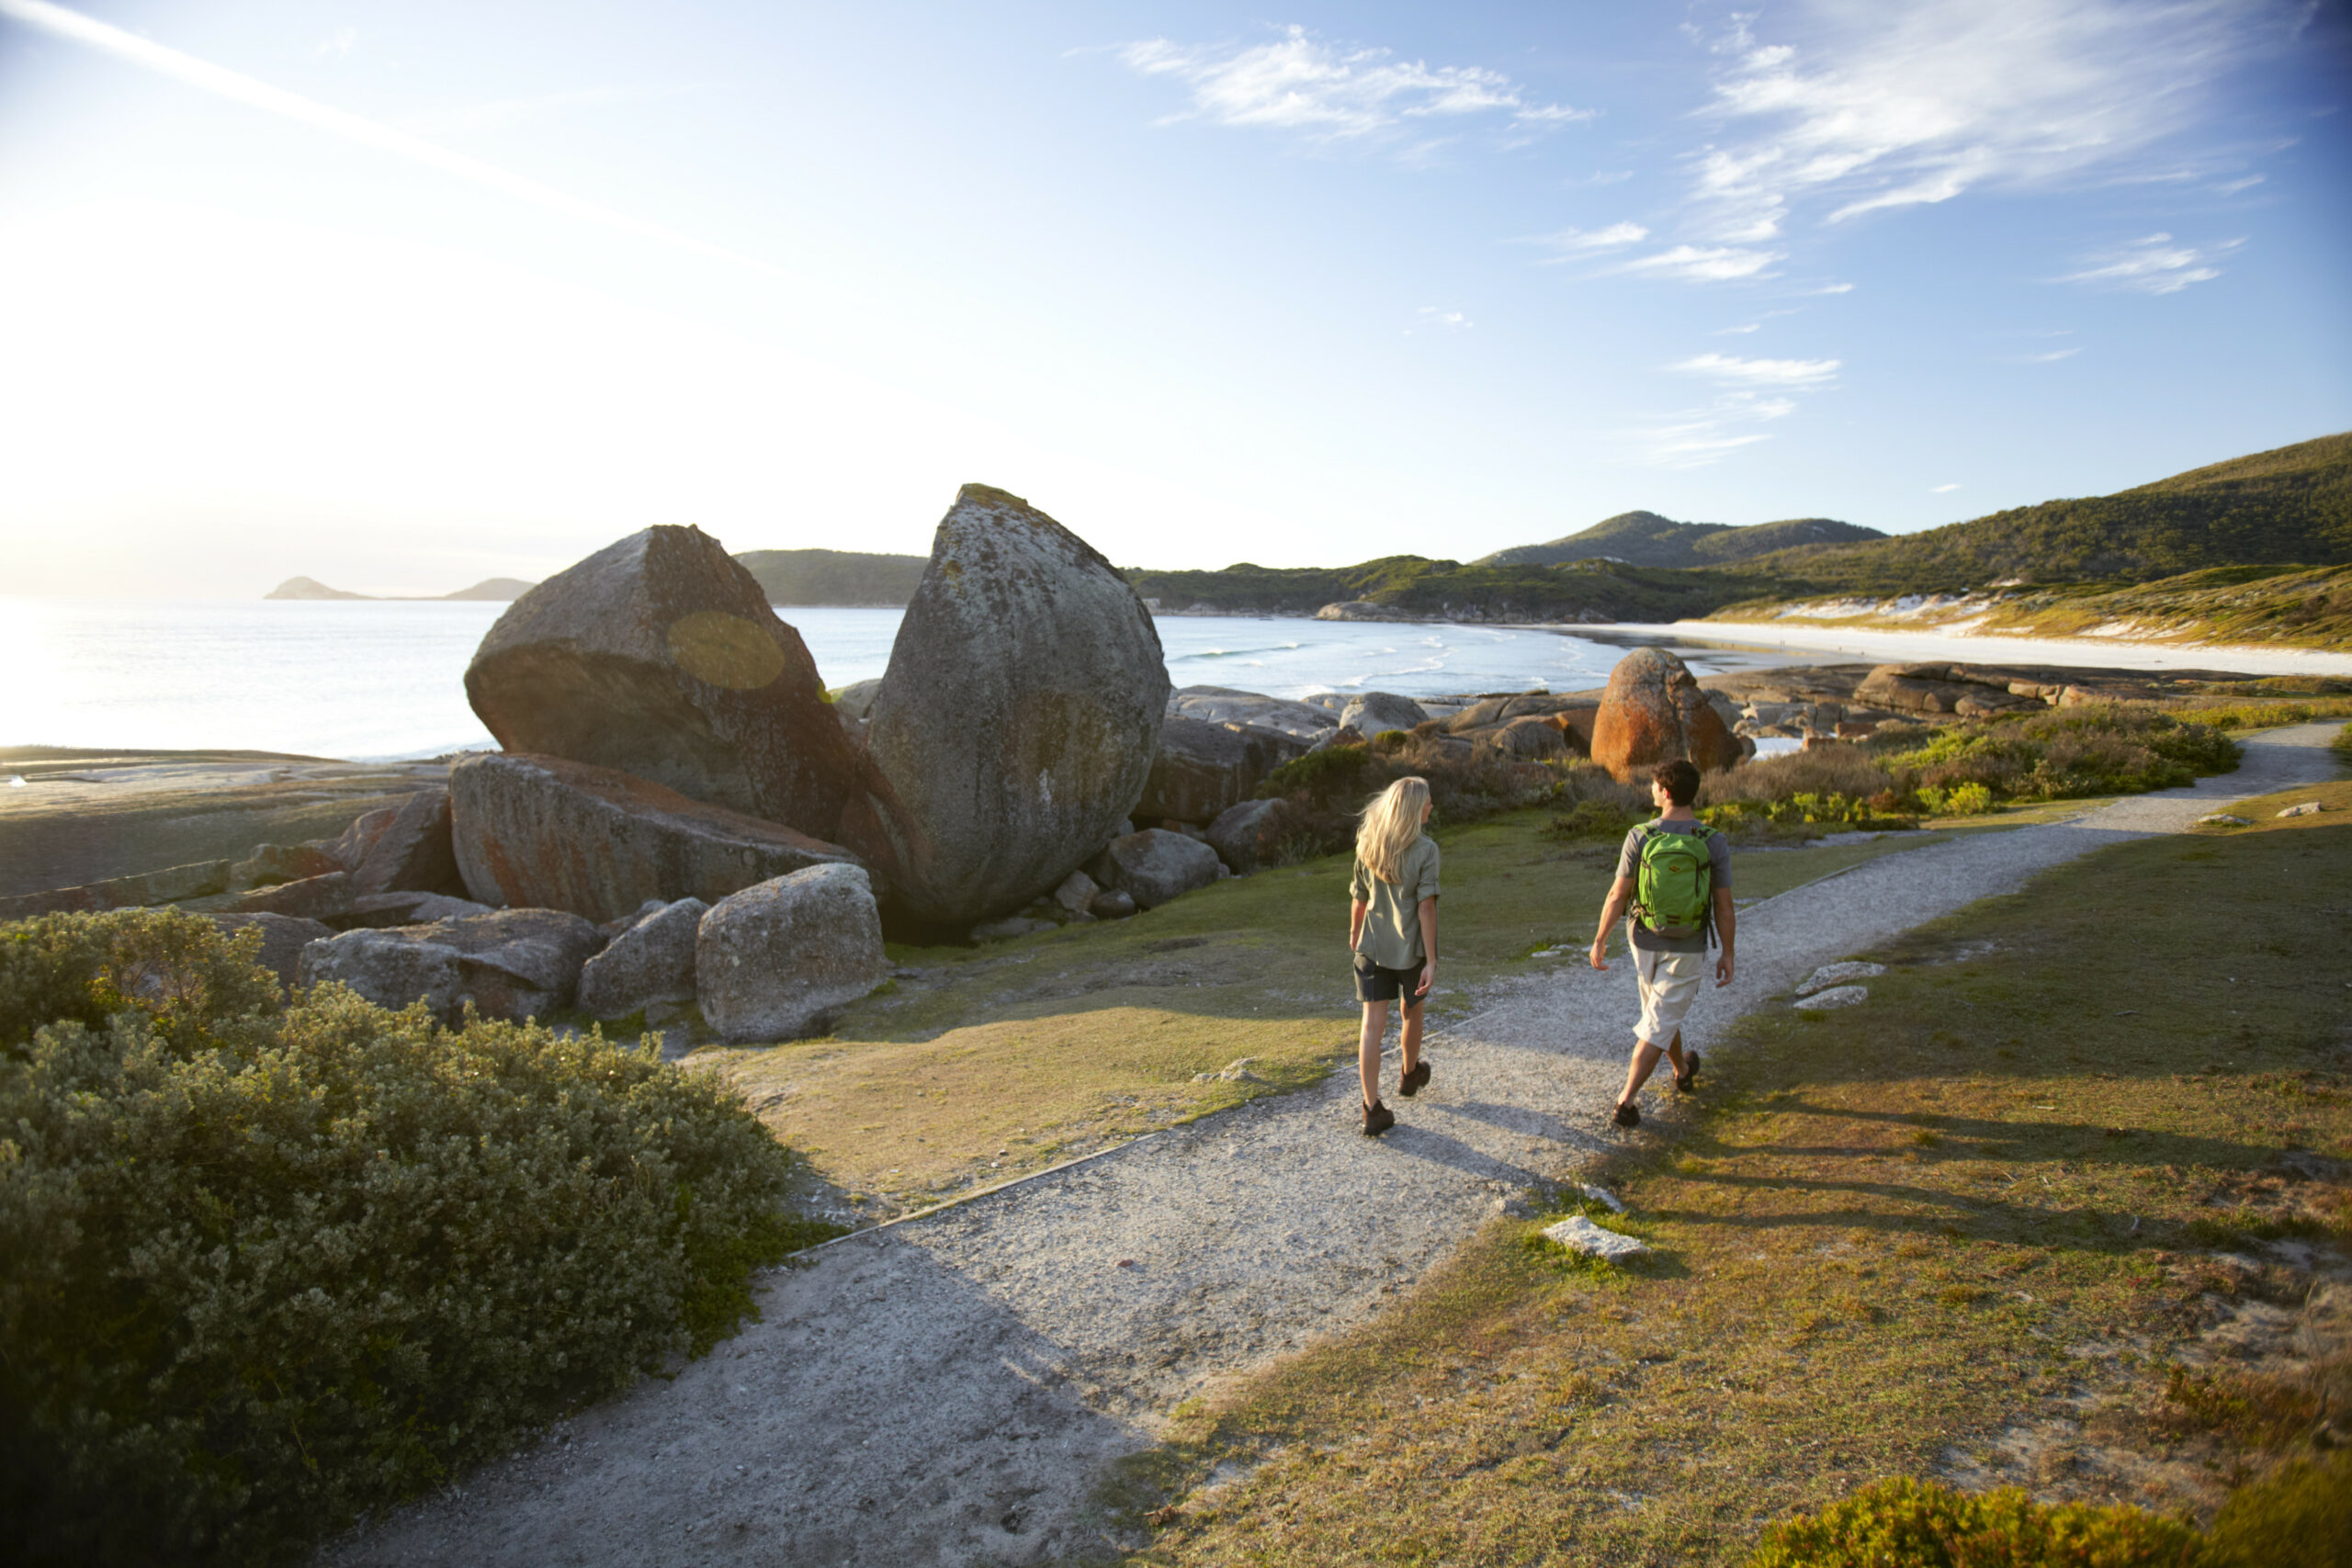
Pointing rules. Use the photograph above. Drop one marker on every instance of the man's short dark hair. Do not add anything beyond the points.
(1680, 781)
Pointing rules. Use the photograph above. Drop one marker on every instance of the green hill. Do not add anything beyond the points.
(2288, 506)
(1644, 538)
(1411, 585)
(834, 577)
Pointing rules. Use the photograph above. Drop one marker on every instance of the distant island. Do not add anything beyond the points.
(495, 590)
(835, 576)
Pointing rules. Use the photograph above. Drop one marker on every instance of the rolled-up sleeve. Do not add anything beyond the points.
(1359, 885)
(1425, 886)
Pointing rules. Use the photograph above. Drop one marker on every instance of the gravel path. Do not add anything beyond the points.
(950, 1389)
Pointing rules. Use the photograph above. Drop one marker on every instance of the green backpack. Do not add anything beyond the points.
(1674, 892)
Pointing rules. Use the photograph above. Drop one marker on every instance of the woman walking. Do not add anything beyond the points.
(1392, 935)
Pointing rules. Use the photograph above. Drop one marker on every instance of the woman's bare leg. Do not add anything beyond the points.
(1412, 1033)
(1376, 1024)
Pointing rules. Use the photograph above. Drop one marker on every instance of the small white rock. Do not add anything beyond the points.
(1835, 996)
(2224, 820)
(2308, 808)
(1579, 1235)
(1603, 1195)
(1830, 975)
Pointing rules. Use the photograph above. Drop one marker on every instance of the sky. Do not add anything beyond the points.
(403, 296)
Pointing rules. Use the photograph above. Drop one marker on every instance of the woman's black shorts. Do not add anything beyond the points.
(1375, 984)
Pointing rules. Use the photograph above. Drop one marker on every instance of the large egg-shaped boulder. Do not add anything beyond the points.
(1020, 712)
(1654, 712)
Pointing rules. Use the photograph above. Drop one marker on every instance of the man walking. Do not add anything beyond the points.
(1675, 873)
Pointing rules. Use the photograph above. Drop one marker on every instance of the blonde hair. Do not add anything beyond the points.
(1388, 826)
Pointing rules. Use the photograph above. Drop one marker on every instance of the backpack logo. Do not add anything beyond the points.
(1673, 896)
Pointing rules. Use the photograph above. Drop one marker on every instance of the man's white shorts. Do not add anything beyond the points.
(1669, 984)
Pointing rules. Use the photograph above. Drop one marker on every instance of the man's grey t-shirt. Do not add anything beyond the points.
(1629, 865)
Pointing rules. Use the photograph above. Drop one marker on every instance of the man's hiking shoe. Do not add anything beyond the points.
(1377, 1119)
(1409, 1084)
(1628, 1115)
(1686, 1079)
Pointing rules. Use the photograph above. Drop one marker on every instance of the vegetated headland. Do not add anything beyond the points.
(2258, 549)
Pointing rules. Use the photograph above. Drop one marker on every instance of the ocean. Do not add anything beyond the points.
(380, 680)
(377, 679)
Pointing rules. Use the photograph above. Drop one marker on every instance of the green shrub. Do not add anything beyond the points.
(1326, 789)
(2342, 744)
(2062, 754)
(2299, 1515)
(272, 1267)
(1969, 800)
(1903, 1523)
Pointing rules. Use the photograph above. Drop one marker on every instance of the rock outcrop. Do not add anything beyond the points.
(1249, 836)
(660, 657)
(1655, 711)
(197, 880)
(1201, 770)
(1222, 705)
(1374, 713)
(1953, 689)
(283, 938)
(1154, 865)
(351, 846)
(546, 833)
(411, 854)
(325, 898)
(651, 961)
(513, 964)
(772, 962)
(1020, 714)
(270, 865)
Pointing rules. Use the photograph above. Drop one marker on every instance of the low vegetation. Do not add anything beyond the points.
(2002, 1224)
(273, 1266)
(835, 576)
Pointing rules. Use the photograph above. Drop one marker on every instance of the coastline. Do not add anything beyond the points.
(1968, 648)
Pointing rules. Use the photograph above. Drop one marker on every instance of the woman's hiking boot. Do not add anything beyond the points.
(1410, 1084)
(1377, 1119)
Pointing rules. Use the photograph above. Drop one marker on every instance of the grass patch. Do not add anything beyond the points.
(1895, 1231)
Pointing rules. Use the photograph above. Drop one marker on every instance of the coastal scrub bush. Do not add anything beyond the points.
(1926, 1525)
(2066, 753)
(274, 1266)
(1326, 789)
(2342, 744)
(2298, 1516)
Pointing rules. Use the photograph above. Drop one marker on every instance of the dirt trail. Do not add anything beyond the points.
(950, 1389)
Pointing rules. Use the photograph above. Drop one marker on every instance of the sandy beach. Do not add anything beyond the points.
(1805, 643)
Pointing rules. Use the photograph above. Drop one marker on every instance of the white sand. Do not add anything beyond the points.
(1827, 645)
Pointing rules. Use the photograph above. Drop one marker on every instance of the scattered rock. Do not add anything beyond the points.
(351, 847)
(1112, 903)
(1956, 689)
(413, 854)
(1362, 610)
(856, 699)
(1830, 975)
(1239, 1072)
(1616, 1205)
(283, 938)
(1154, 865)
(773, 961)
(2224, 820)
(659, 656)
(1655, 711)
(1250, 835)
(200, 879)
(1329, 737)
(2308, 808)
(1077, 892)
(650, 963)
(1020, 714)
(326, 898)
(546, 833)
(1835, 997)
(1374, 713)
(1534, 737)
(1579, 1235)
(510, 964)
(1222, 705)
(1202, 770)
(381, 911)
(272, 863)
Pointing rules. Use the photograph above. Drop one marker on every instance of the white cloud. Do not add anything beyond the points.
(1301, 83)
(1885, 106)
(340, 41)
(1727, 331)
(1703, 264)
(230, 84)
(2153, 264)
(2230, 187)
(1941, 490)
(1732, 371)
(1432, 315)
(2052, 357)
(1572, 244)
